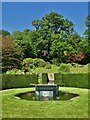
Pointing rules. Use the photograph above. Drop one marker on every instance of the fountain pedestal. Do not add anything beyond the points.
(46, 91)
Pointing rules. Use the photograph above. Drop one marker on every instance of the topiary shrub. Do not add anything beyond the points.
(55, 62)
(48, 66)
(75, 65)
(26, 69)
(32, 66)
(64, 68)
(15, 71)
(33, 63)
(39, 62)
(27, 61)
(69, 65)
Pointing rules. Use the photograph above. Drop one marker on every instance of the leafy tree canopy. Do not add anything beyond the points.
(54, 40)
(4, 32)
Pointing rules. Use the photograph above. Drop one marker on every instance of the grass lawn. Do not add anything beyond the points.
(18, 108)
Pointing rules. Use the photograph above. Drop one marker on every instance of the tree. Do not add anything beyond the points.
(4, 32)
(52, 24)
(86, 42)
(27, 41)
(54, 37)
(76, 57)
(64, 46)
(11, 54)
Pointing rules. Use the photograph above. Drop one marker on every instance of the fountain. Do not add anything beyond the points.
(48, 91)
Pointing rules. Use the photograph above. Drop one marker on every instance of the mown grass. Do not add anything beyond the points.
(18, 108)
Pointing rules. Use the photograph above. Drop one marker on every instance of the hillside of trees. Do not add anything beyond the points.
(54, 40)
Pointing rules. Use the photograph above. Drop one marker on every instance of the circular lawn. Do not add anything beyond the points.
(14, 107)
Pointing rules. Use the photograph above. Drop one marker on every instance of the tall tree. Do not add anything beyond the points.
(54, 37)
(52, 24)
(11, 54)
(86, 42)
(4, 32)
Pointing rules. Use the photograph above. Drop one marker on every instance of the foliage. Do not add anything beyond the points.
(53, 69)
(64, 68)
(54, 40)
(15, 71)
(87, 22)
(48, 66)
(44, 78)
(53, 22)
(69, 65)
(75, 57)
(55, 61)
(39, 62)
(76, 80)
(4, 32)
(40, 78)
(57, 78)
(79, 80)
(86, 42)
(17, 81)
(26, 62)
(70, 80)
(30, 63)
(28, 41)
(75, 65)
(61, 48)
(11, 54)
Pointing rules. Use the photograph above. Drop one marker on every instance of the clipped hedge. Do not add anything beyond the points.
(76, 80)
(72, 80)
(58, 78)
(44, 78)
(79, 80)
(18, 81)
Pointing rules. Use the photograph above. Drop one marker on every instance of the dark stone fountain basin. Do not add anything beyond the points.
(63, 95)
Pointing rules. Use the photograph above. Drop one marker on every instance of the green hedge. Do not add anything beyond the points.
(76, 80)
(18, 81)
(44, 78)
(58, 78)
(73, 80)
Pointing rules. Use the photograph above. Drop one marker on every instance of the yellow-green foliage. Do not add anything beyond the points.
(64, 68)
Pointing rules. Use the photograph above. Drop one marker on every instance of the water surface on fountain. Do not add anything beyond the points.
(63, 95)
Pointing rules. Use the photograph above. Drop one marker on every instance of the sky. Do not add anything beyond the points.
(19, 15)
(45, 0)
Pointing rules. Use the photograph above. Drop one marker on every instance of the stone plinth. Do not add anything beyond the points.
(46, 91)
